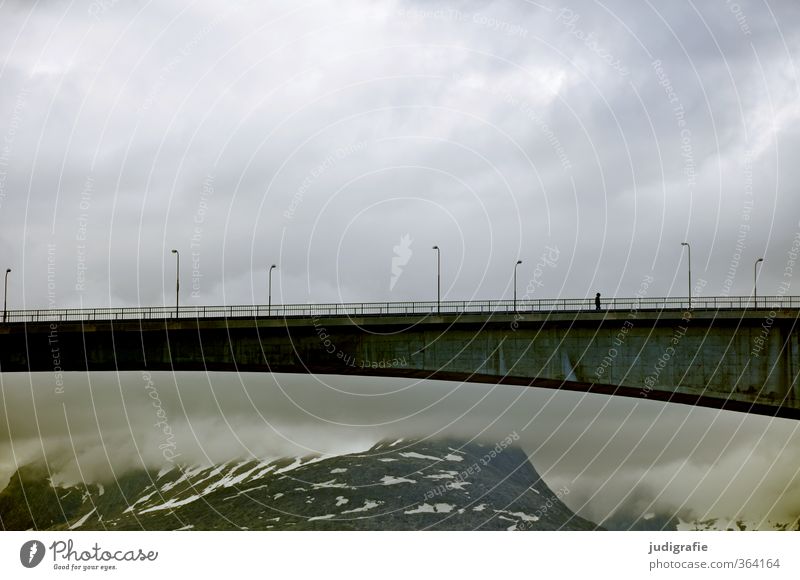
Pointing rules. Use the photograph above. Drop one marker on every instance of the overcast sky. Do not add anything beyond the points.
(318, 135)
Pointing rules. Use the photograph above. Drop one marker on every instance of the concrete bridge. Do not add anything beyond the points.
(726, 353)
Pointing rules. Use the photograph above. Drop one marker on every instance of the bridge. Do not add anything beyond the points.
(723, 352)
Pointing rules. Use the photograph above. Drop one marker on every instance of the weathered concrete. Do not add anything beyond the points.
(732, 359)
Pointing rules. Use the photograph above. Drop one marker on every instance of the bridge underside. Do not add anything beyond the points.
(727, 360)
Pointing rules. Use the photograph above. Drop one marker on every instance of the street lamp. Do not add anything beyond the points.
(269, 304)
(177, 280)
(689, 248)
(5, 296)
(515, 284)
(755, 282)
(438, 279)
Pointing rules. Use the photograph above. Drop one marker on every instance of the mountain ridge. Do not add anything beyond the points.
(421, 484)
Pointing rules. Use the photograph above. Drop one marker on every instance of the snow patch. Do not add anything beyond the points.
(339, 470)
(415, 455)
(140, 500)
(387, 459)
(325, 517)
(368, 505)
(189, 473)
(524, 517)
(164, 470)
(269, 467)
(173, 503)
(426, 508)
(330, 484)
(294, 465)
(396, 442)
(443, 474)
(82, 521)
(341, 500)
(230, 480)
(391, 480)
(246, 491)
(451, 457)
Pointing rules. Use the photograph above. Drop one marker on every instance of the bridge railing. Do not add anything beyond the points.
(401, 308)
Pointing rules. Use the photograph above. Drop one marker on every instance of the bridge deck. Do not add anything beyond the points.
(715, 355)
(484, 307)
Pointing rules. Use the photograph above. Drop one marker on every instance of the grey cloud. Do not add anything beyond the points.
(512, 127)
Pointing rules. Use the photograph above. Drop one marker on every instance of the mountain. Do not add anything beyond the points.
(736, 525)
(395, 485)
(654, 521)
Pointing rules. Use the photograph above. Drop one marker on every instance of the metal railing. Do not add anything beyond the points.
(402, 308)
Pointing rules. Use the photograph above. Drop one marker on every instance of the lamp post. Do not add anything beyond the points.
(438, 279)
(689, 248)
(755, 282)
(269, 304)
(515, 284)
(5, 296)
(177, 280)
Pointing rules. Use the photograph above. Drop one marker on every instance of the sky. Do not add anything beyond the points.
(332, 138)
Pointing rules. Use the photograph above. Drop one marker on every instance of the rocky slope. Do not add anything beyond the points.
(396, 485)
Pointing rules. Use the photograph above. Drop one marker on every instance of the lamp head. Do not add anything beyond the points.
(8, 270)
(174, 251)
(519, 261)
(435, 248)
(759, 260)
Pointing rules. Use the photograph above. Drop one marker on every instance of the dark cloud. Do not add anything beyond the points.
(316, 137)
(613, 455)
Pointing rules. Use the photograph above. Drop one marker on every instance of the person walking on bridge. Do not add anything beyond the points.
(597, 301)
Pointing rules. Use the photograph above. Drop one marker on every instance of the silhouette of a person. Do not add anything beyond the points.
(597, 301)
